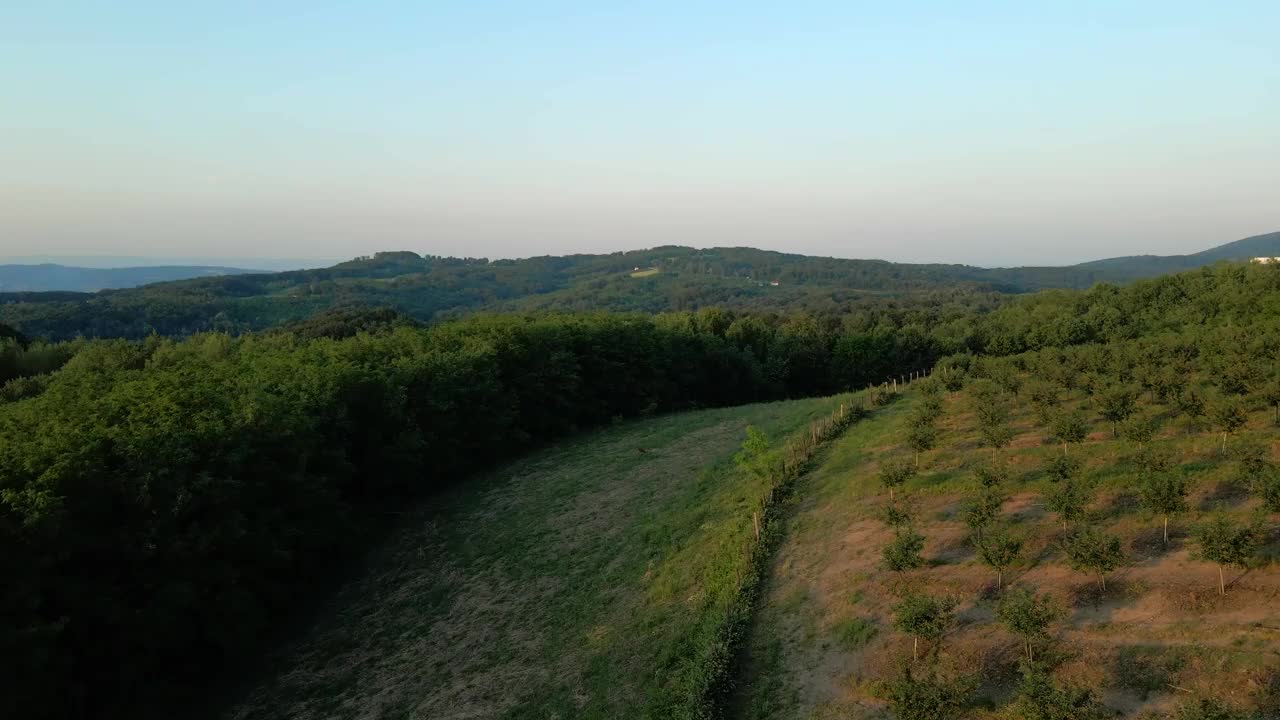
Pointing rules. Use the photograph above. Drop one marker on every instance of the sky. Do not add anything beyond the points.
(975, 132)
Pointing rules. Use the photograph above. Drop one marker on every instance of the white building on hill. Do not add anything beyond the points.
(1267, 260)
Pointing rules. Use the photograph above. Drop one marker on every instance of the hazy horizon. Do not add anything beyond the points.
(982, 134)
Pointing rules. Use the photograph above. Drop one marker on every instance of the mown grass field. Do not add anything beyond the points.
(823, 639)
(575, 583)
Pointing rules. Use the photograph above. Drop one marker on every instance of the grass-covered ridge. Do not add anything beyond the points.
(589, 580)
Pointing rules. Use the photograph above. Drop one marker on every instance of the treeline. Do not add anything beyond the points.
(163, 504)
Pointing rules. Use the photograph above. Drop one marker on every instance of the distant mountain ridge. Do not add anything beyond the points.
(47, 277)
(1134, 267)
(653, 280)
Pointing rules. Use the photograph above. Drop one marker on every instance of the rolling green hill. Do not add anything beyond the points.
(653, 280)
(49, 277)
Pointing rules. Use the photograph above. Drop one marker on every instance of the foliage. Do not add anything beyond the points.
(1063, 468)
(999, 549)
(927, 696)
(924, 617)
(895, 514)
(1091, 550)
(164, 503)
(982, 509)
(921, 438)
(1027, 615)
(1229, 415)
(1116, 403)
(895, 472)
(1139, 428)
(1069, 500)
(1039, 698)
(1223, 541)
(754, 457)
(903, 552)
(1163, 493)
(991, 475)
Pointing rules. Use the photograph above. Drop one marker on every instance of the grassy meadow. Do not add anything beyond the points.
(579, 582)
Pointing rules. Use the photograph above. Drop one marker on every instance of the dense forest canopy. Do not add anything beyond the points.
(663, 279)
(165, 502)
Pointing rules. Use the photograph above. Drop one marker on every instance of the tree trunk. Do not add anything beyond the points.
(1224, 443)
(1102, 581)
(915, 649)
(1222, 583)
(1166, 529)
(1000, 579)
(891, 498)
(1030, 656)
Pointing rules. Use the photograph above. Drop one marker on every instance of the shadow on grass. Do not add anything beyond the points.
(1225, 494)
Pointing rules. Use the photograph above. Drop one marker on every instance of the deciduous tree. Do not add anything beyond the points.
(1164, 494)
(1226, 542)
(903, 551)
(924, 618)
(1027, 615)
(1094, 551)
(999, 548)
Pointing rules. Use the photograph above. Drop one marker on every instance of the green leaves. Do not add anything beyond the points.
(999, 549)
(915, 695)
(982, 509)
(1027, 615)
(903, 552)
(924, 617)
(1224, 541)
(1091, 550)
(894, 472)
(1068, 499)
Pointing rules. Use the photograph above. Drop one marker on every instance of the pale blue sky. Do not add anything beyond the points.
(990, 133)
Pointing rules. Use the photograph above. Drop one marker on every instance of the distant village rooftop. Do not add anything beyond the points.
(1266, 260)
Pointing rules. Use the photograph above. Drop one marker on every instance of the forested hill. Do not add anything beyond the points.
(660, 279)
(52, 277)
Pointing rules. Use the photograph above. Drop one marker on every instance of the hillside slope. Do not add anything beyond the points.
(50, 277)
(1125, 269)
(654, 280)
(825, 642)
(578, 582)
